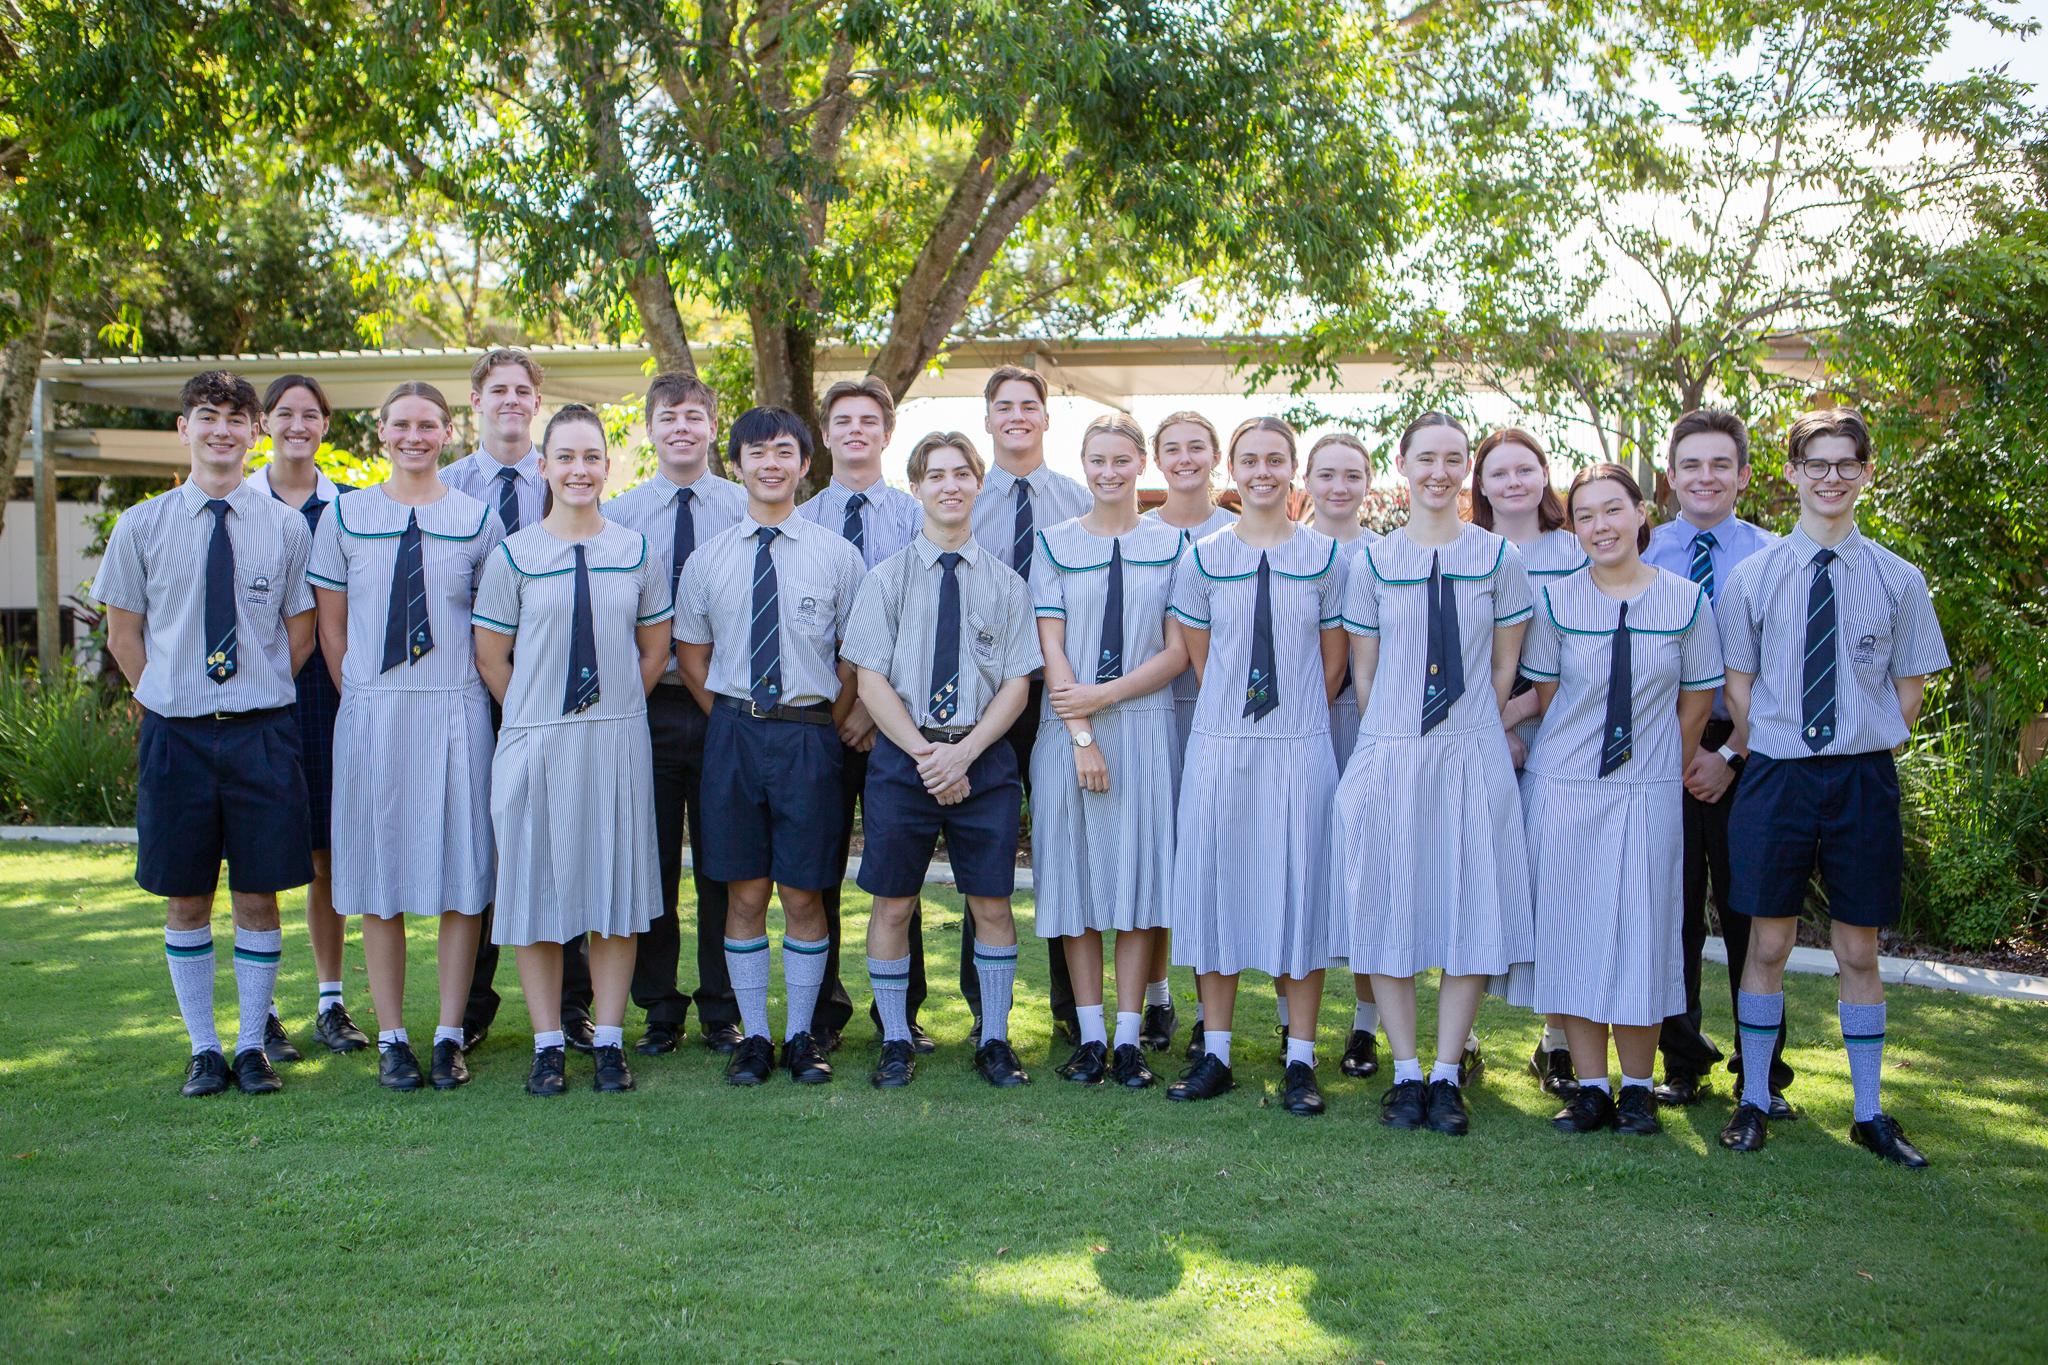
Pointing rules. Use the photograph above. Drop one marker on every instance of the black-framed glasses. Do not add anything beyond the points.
(1848, 471)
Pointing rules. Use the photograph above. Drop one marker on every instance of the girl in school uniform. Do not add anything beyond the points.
(572, 786)
(1625, 658)
(1512, 496)
(1104, 772)
(1433, 870)
(395, 569)
(1259, 604)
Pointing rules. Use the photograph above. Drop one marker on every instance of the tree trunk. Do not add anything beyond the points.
(662, 322)
(19, 361)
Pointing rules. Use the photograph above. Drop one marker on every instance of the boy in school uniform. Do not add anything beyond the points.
(503, 472)
(760, 612)
(1828, 640)
(859, 418)
(1021, 497)
(210, 619)
(945, 641)
(1707, 464)
(682, 506)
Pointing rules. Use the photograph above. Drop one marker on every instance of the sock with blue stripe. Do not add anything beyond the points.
(803, 975)
(190, 953)
(1757, 1018)
(1863, 1039)
(889, 979)
(997, 968)
(256, 955)
(746, 963)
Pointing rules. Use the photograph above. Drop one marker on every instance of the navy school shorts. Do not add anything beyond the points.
(901, 822)
(209, 789)
(1840, 811)
(770, 801)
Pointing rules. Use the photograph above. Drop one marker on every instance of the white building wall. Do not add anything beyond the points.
(18, 552)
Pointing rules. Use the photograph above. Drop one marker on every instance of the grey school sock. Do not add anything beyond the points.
(997, 968)
(190, 953)
(256, 955)
(1863, 1039)
(803, 975)
(746, 963)
(1756, 1021)
(889, 979)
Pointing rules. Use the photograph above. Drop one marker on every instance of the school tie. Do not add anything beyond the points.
(1703, 561)
(686, 540)
(1618, 738)
(766, 652)
(1445, 656)
(945, 696)
(408, 635)
(1020, 540)
(508, 498)
(1261, 698)
(852, 529)
(582, 693)
(1817, 708)
(1110, 666)
(220, 596)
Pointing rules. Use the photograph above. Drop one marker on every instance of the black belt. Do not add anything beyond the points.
(945, 736)
(237, 717)
(1717, 732)
(818, 713)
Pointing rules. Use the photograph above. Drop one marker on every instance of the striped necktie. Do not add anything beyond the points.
(1619, 736)
(408, 635)
(853, 529)
(508, 498)
(1703, 561)
(1109, 664)
(1817, 703)
(944, 699)
(765, 652)
(1445, 655)
(685, 541)
(1020, 539)
(581, 693)
(220, 596)
(1261, 695)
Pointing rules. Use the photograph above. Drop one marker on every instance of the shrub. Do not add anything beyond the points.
(1976, 832)
(67, 750)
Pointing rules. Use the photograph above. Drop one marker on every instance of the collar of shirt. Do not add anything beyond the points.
(323, 487)
(1683, 526)
(670, 490)
(1847, 551)
(528, 464)
(788, 526)
(242, 498)
(928, 552)
(1003, 483)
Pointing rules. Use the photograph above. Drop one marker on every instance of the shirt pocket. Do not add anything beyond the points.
(811, 608)
(259, 583)
(1867, 645)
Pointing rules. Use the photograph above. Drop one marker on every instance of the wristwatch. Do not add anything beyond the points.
(1733, 759)
(1084, 740)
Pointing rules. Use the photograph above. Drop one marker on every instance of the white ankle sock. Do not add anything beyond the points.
(1091, 1023)
(1301, 1050)
(1443, 1071)
(1159, 992)
(389, 1036)
(1407, 1069)
(608, 1035)
(1218, 1045)
(1127, 1025)
(448, 1033)
(547, 1040)
(330, 994)
(1554, 1040)
(1628, 1080)
(1365, 1016)
(1601, 1083)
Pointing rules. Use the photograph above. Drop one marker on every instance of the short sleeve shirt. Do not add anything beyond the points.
(1734, 541)
(477, 475)
(1216, 589)
(889, 517)
(894, 627)
(649, 507)
(1054, 498)
(816, 573)
(1070, 583)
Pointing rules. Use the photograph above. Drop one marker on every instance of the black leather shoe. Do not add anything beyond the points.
(473, 1038)
(613, 1075)
(1301, 1095)
(339, 1032)
(1405, 1105)
(1088, 1066)
(1361, 1054)
(1683, 1087)
(829, 1039)
(449, 1068)
(1883, 1137)
(897, 1067)
(1127, 1067)
(1588, 1110)
(1198, 1044)
(998, 1064)
(1781, 1109)
(398, 1068)
(254, 1075)
(206, 1074)
(1156, 1029)
(661, 1036)
(1205, 1080)
(580, 1035)
(1447, 1109)
(922, 1043)
(550, 1073)
(1470, 1067)
(721, 1036)
(752, 1062)
(805, 1060)
(1746, 1130)
(277, 1044)
(1635, 1113)
(1553, 1072)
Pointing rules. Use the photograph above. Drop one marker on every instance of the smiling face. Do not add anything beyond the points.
(295, 425)
(1435, 465)
(856, 432)
(1831, 495)
(506, 404)
(772, 469)
(1111, 464)
(1707, 474)
(682, 434)
(1187, 457)
(413, 431)
(1016, 418)
(1608, 522)
(1262, 467)
(1337, 480)
(1513, 480)
(219, 437)
(948, 488)
(576, 463)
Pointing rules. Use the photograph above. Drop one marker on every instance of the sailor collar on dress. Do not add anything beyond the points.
(1669, 606)
(1073, 548)
(372, 513)
(1476, 554)
(324, 488)
(1222, 556)
(534, 553)
(1553, 554)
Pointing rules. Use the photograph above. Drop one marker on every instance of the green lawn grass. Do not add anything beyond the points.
(692, 1221)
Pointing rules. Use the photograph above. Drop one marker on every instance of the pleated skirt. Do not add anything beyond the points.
(412, 816)
(1344, 727)
(1104, 860)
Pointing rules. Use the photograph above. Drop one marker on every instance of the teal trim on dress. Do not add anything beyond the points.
(506, 546)
(393, 535)
(1198, 624)
(501, 627)
(1060, 612)
(1537, 674)
(1046, 545)
(1196, 551)
(327, 582)
(1358, 627)
(1551, 612)
(1455, 577)
(1515, 618)
(1702, 684)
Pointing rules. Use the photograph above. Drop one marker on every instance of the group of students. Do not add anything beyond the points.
(1249, 742)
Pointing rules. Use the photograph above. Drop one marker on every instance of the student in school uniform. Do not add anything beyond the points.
(944, 641)
(1186, 449)
(395, 569)
(759, 618)
(1707, 464)
(295, 417)
(210, 618)
(1259, 607)
(1828, 640)
(860, 418)
(1625, 658)
(1107, 777)
(1020, 495)
(1434, 870)
(504, 472)
(1512, 497)
(682, 506)
(584, 604)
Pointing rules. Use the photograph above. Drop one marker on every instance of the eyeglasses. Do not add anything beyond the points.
(1848, 471)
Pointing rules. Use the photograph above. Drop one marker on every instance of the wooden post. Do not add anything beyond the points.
(49, 641)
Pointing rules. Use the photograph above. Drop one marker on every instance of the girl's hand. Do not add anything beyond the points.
(1078, 701)
(1092, 769)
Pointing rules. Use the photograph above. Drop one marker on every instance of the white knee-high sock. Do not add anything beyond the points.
(746, 963)
(256, 955)
(190, 953)
(803, 976)
(997, 968)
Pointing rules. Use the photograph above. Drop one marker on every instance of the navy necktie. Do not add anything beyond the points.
(508, 498)
(1817, 706)
(1020, 540)
(408, 635)
(686, 539)
(1110, 665)
(766, 653)
(852, 528)
(1703, 561)
(1261, 696)
(582, 692)
(945, 693)
(220, 596)
(1445, 681)
(1619, 735)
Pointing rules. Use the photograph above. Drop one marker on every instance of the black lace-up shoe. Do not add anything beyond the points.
(998, 1064)
(805, 1060)
(206, 1074)
(1361, 1055)
(1127, 1067)
(1405, 1105)
(752, 1062)
(1471, 1066)
(1635, 1113)
(1682, 1088)
(1205, 1080)
(613, 1075)
(449, 1068)
(661, 1035)
(1302, 1096)
(1747, 1129)
(1447, 1109)
(897, 1067)
(254, 1075)
(550, 1073)
(398, 1068)
(1589, 1110)
(1883, 1137)
(277, 1044)
(1088, 1066)
(1553, 1072)
(1157, 1028)
(338, 1031)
